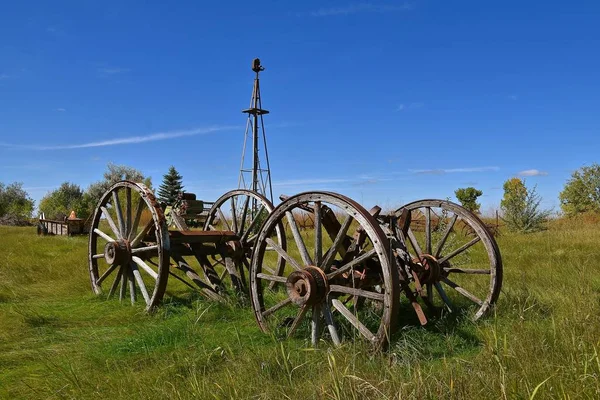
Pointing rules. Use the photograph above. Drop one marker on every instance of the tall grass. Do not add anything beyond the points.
(59, 341)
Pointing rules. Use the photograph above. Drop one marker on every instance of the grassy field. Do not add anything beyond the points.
(59, 341)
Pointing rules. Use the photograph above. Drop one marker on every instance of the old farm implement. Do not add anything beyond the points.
(344, 277)
(133, 251)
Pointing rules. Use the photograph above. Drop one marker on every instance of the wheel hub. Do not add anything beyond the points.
(117, 252)
(431, 270)
(308, 286)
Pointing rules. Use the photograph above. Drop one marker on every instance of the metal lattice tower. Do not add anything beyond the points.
(253, 176)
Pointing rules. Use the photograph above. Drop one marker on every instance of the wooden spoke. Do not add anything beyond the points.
(352, 319)
(357, 292)
(443, 295)
(97, 256)
(234, 217)
(123, 283)
(251, 227)
(140, 282)
(103, 235)
(333, 250)
(144, 266)
(462, 291)
(276, 307)
(315, 325)
(111, 223)
(136, 220)
(118, 210)
(351, 264)
(183, 280)
(413, 241)
(222, 218)
(440, 245)
(428, 230)
(127, 212)
(115, 283)
(244, 214)
(144, 249)
(132, 291)
(330, 325)
(318, 234)
(459, 250)
(429, 287)
(468, 271)
(140, 236)
(272, 278)
(298, 238)
(106, 274)
(283, 254)
(297, 320)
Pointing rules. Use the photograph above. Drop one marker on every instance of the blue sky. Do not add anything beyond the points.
(384, 101)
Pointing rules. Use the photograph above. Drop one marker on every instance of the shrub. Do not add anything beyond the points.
(521, 207)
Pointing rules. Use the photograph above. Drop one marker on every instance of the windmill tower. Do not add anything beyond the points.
(255, 172)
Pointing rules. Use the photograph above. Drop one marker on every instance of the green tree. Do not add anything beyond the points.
(582, 191)
(60, 202)
(521, 207)
(114, 173)
(468, 198)
(15, 203)
(171, 186)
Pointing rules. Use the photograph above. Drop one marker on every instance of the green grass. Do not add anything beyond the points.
(58, 341)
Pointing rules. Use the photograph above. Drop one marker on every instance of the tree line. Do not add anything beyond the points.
(520, 205)
(16, 207)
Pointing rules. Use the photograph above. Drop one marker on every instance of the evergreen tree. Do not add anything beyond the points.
(170, 187)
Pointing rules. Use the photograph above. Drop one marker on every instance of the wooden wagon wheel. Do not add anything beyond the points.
(343, 276)
(128, 232)
(243, 212)
(455, 261)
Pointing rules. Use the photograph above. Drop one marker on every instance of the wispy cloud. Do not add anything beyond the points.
(409, 106)
(113, 70)
(441, 171)
(532, 172)
(61, 109)
(513, 97)
(153, 137)
(356, 8)
(4, 76)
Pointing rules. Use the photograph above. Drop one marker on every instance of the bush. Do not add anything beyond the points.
(582, 192)
(521, 207)
(60, 202)
(15, 203)
(468, 198)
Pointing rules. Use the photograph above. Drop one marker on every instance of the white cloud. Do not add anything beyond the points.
(532, 172)
(113, 70)
(453, 170)
(409, 106)
(359, 8)
(153, 137)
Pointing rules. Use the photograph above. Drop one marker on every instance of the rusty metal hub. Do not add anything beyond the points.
(118, 252)
(308, 286)
(431, 270)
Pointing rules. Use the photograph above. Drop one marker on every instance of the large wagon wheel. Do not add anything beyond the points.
(455, 261)
(128, 233)
(243, 212)
(343, 276)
